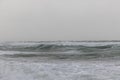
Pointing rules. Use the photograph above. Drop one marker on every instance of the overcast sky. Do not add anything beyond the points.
(59, 20)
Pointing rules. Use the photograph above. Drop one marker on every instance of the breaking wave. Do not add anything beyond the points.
(62, 50)
(54, 47)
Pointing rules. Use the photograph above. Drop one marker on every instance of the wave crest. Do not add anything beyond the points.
(55, 47)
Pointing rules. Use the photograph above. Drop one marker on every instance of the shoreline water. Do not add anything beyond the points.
(60, 61)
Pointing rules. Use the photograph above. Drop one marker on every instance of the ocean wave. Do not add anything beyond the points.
(72, 56)
(62, 50)
(55, 47)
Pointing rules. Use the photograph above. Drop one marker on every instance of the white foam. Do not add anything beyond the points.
(82, 70)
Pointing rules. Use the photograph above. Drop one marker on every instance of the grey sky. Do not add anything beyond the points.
(59, 20)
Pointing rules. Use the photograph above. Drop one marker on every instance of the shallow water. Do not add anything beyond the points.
(60, 61)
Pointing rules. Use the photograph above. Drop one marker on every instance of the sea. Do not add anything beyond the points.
(60, 60)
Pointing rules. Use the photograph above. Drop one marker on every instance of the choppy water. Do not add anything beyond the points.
(60, 60)
(61, 50)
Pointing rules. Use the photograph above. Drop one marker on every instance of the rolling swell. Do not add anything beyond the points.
(54, 47)
(61, 51)
(86, 56)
